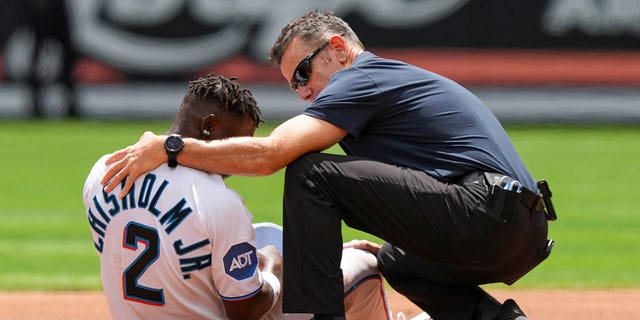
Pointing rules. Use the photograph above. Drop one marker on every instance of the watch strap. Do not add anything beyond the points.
(173, 159)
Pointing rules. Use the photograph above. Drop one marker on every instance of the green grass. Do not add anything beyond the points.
(593, 174)
(45, 242)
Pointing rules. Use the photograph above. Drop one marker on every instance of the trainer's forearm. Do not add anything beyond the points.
(252, 156)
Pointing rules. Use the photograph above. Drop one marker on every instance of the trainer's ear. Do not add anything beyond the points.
(207, 126)
(339, 45)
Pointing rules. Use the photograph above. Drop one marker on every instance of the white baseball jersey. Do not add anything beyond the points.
(175, 247)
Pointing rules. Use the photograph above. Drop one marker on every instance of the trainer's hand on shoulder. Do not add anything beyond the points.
(133, 161)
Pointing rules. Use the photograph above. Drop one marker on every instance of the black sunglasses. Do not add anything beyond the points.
(302, 71)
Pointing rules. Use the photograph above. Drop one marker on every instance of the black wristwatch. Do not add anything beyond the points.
(173, 144)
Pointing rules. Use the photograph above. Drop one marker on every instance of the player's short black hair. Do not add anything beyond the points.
(226, 93)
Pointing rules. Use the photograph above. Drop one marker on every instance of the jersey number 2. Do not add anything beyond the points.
(136, 233)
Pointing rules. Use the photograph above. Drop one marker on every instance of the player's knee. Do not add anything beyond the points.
(357, 266)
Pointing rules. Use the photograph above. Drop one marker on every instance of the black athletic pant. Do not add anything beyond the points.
(450, 241)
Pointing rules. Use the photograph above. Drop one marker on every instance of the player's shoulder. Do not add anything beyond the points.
(200, 184)
(97, 170)
(100, 164)
(191, 176)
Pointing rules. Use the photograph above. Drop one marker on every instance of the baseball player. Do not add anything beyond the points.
(181, 244)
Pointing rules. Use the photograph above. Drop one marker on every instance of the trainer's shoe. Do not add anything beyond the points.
(511, 311)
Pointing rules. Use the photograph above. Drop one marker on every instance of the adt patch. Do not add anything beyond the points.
(241, 261)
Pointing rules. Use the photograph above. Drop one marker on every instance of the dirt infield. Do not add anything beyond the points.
(538, 304)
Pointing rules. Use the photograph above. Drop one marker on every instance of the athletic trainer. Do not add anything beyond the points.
(428, 168)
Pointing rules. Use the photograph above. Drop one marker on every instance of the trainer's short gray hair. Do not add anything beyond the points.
(312, 27)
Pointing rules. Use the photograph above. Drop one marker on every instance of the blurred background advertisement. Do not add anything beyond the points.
(529, 60)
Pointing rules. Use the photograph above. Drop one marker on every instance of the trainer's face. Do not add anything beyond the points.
(323, 66)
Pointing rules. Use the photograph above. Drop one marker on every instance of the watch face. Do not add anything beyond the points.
(173, 143)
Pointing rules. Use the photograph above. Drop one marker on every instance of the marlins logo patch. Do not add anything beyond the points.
(241, 261)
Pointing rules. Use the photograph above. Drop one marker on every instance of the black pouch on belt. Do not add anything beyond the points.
(504, 195)
(503, 202)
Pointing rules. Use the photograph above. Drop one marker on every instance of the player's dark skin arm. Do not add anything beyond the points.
(256, 306)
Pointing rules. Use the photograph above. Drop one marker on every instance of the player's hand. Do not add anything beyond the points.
(270, 260)
(133, 161)
(363, 245)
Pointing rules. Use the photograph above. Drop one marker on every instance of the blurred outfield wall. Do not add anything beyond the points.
(529, 60)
